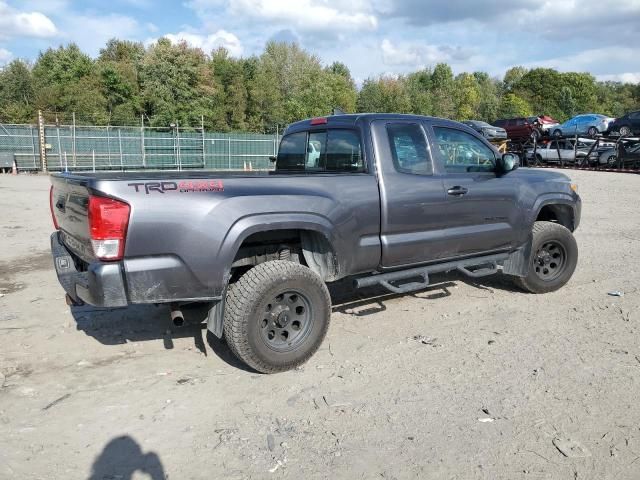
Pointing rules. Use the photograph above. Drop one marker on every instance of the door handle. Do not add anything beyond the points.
(457, 191)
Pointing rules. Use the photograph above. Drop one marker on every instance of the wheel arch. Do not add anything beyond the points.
(556, 211)
(320, 247)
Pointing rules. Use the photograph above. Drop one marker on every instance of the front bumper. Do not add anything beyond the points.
(101, 285)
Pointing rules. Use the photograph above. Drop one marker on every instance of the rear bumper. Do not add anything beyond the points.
(102, 284)
(158, 279)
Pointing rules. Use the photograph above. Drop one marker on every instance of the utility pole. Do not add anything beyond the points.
(41, 142)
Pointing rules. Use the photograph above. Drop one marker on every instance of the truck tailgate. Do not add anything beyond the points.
(69, 206)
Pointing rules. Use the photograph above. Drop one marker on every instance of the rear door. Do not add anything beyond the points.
(481, 208)
(412, 200)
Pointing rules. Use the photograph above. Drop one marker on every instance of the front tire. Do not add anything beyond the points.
(625, 131)
(592, 132)
(557, 133)
(276, 316)
(554, 256)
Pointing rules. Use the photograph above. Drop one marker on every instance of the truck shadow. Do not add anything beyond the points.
(369, 301)
(141, 323)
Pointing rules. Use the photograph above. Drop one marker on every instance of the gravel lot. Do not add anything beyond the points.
(464, 380)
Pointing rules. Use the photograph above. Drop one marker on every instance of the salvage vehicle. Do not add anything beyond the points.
(563, 151)
(544, 123)
(391, 200)
(488, 131)
(626, 125)
(519, 128)
(627, 155)
(590, 124)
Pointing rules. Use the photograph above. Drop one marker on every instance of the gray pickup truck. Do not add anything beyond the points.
(381, 199)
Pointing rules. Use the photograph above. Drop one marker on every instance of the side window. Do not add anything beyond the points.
(462, 152)
(634, 115)
(409, 148)
(292, 152)
(343, 152)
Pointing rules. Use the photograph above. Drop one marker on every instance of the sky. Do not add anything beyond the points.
(372, 37)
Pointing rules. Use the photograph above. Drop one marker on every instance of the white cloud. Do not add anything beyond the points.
(628, 77)
(599, 61)
(332, 16)
(5, 56)
(15, 23)
(91, 33)
(419, 55)
(210, 42)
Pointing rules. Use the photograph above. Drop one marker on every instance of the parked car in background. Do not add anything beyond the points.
(589, 124)
(487, 131)
(519, 128)
(565, 151)
(629, 153)
(544, 123)
(627, 125)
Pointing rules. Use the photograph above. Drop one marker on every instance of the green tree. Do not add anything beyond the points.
(512, 105)
(418, 86)
(489, 90)
(343, 89)
(178, 86)
(467, 97)
(66, 80)
(384, 94)
(512, 77)
(17, 93)
(443, 97)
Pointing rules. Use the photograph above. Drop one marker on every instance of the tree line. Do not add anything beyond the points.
(165, 83)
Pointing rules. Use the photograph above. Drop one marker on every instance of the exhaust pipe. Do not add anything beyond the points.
(176, 315)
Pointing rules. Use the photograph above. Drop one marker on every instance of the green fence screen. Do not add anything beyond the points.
(135, 148)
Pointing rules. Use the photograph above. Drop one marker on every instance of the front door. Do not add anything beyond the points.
(412, 199)
(481, 207)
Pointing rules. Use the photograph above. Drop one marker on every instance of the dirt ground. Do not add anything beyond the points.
(464, 380)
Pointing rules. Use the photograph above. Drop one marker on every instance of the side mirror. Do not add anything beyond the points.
(507, 163)
(273, 158)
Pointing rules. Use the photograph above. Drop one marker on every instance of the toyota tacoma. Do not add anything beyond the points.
(380, 199)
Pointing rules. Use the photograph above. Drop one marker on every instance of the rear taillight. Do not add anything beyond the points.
(108, 221)
(51, 207)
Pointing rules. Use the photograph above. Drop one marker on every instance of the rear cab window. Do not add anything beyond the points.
(334, 150)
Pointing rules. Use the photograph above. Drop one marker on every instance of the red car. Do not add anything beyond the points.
(519, 128)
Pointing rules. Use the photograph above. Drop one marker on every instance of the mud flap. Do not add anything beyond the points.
(518, 262)
(215, 319)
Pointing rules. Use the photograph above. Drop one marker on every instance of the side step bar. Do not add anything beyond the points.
(487, 265)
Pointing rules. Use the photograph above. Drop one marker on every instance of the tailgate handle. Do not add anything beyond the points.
(60, 204)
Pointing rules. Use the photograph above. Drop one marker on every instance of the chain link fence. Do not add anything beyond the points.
(92, 148)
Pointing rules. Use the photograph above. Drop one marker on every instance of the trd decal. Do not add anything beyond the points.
(183, 186)
(201, 186)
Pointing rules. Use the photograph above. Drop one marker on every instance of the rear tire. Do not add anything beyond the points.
(554, 256)
(276, 316)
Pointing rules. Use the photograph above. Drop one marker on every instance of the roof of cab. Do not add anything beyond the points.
(351, 120)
